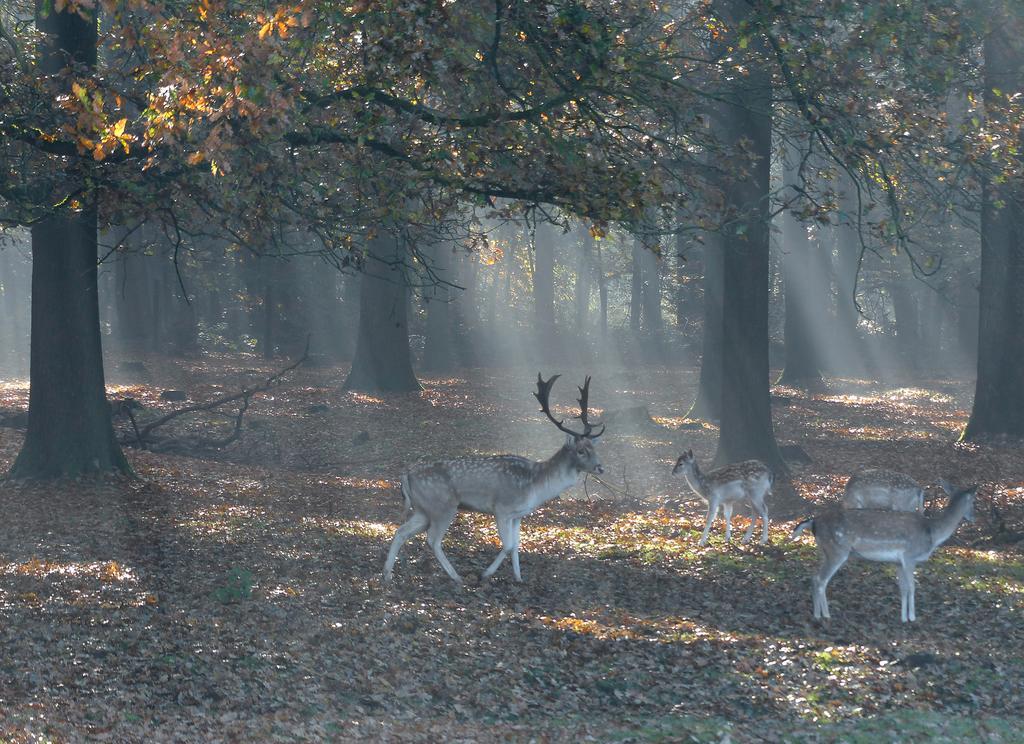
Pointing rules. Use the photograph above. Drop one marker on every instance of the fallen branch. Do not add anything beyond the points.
(143, 438)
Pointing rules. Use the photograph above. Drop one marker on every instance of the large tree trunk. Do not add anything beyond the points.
(69, 429)
(999, 392)
(746, 420)
(382, 361)
(708, 404)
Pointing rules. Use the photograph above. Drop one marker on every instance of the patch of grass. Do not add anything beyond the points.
(911, 726)
(830, 659)
(237, 585)
(675, 729)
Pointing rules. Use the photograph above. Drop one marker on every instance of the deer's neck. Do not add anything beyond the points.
(697, 480)
(554, 475)
(945, 523)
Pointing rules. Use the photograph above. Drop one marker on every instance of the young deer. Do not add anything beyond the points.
(883, 489)
(505, 486)
(903, 538)
(748, 482)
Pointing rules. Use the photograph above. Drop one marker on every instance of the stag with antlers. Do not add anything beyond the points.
(505, 486)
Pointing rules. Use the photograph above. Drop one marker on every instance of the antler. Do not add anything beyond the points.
(584, 410)
(543, 394)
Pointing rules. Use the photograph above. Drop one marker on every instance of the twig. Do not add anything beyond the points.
(245, 395)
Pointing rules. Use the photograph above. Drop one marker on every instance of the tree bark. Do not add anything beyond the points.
(602, 287)
(382, 361)
(69, 428)
(544, 287)
(904, 303)
(689, 266)
(708, 404)
(999, 392)
(848, 249)
(438, 352)
(746, 124)
(636, 287)
(584, 281)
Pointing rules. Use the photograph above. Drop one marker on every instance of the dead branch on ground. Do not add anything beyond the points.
(143, 438)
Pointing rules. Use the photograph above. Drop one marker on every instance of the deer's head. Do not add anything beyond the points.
(685, 463)
(579, 444)
(584, 454)
(960, 496)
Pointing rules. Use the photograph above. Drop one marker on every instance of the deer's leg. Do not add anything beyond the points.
(829, 565)
(505, 533)
(515, 550)
(753, 521)
(727, 509)
(763, 508)
(416, 524)
(435, 534)
(906, 576)
(712, 513)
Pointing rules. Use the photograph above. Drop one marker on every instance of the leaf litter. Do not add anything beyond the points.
(238, 597)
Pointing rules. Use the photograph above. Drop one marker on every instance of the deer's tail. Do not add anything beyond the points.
(801, 526)
(405, 495)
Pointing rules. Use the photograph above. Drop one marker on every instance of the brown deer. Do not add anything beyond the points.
(883, 489)
(900, 537)
(505, 486)
(748, 482)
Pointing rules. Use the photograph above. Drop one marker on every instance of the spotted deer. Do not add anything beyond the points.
(883, 489)
(903, 538)
(505, 486)
(748, 482)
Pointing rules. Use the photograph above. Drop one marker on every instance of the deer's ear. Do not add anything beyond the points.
(570, 440)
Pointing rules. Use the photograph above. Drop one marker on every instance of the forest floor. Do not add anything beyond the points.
(237, 596)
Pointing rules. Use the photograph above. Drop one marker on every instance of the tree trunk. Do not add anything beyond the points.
(132, 295)
(69, 429)
(966, 315)
(544, 287)
(999, 392)
(636, 287)
(268, 316)
(584, 281)
(708, 404)
(438, 352)
(746, 421)
(651, 290)
(689, 266)
(904, 303)
(382, 362)
(602, 287)
(848, 249)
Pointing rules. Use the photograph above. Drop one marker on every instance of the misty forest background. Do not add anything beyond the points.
(257, 258)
